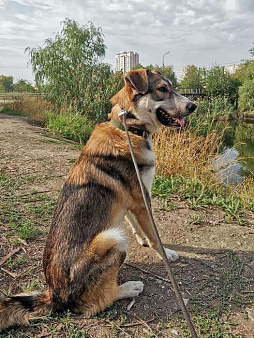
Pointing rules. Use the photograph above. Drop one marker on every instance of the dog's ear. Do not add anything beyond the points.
(138, 80)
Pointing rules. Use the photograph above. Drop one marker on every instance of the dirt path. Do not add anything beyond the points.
(215, 270)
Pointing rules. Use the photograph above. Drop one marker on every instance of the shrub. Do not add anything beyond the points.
(73, 126)
(246, 97)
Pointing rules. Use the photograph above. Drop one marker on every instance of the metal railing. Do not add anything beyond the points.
(13, 95)
(191, 91)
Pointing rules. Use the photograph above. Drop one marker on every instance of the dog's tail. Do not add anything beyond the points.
(19, 309)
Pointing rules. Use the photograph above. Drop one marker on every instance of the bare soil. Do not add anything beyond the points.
(215, 271)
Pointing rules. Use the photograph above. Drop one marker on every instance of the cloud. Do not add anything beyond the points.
(197, 32)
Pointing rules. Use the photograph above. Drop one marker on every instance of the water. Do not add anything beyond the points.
(237, 156)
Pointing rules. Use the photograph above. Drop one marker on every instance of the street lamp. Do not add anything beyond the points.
(163, 57)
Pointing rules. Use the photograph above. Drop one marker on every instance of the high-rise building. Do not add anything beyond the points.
(125, 61)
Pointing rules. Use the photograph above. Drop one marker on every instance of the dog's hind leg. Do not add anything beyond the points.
(109, 247)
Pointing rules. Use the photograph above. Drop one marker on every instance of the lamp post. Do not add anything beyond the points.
(164, 57)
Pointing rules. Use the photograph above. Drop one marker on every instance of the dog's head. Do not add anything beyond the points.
(150, 98)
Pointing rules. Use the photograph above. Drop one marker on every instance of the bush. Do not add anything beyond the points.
(246, 97)
(73, 126)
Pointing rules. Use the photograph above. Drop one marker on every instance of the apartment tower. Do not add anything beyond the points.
(126, 61)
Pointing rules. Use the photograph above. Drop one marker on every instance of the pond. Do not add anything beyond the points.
(237, 156)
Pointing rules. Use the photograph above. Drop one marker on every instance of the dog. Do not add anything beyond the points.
(85, 247)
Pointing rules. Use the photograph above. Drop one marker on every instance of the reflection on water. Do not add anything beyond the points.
(237, 156)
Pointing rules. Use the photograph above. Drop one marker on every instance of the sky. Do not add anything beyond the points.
(199, 32)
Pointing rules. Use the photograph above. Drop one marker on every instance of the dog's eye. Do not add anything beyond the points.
(162, 89)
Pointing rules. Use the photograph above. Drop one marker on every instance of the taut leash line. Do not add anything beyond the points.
(162, 251)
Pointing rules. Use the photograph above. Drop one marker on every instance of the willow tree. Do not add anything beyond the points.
(71, 70)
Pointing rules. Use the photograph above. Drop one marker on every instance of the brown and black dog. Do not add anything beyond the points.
(85, 247)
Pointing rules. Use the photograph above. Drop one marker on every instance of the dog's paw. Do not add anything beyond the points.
(171, 255)
(131, 289)
(142, 241)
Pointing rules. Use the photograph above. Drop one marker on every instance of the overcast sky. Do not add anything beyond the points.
(200, 32)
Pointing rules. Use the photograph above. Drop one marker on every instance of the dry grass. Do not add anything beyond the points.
(187, 153)
(34, 107)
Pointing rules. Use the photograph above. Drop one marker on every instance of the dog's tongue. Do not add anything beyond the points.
(179, 121)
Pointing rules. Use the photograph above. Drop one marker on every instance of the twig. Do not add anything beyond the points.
(33, 193)
(119, 327)
(131, 304)
(145, 324)
(138, 324)
(12, 274)
(149, 273)
(24, 272)
(46, 199)
(5, 258)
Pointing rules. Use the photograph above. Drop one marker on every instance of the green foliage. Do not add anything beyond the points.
(70, 68)
(245, 71)
(193, 78)
(216, 106)
(9, 111)
(215, 81)
(73, 126)
(199, 195)
(23, 86)
(6, 83)
(246, 91)
(246, 97)
(218, 82)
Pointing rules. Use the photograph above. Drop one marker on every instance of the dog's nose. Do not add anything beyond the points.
(190, 107)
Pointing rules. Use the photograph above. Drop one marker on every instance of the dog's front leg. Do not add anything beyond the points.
(147, 233)
(137, 231)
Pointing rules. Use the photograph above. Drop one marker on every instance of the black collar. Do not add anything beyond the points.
(133, 130)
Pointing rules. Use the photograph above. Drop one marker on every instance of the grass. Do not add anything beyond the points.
(9, 111)
(185, 168)
(72, 126)
(200, 195)
(210, 306)
(34, 107)
(23, 213)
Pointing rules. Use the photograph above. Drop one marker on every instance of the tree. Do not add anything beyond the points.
(193, 78)
(23, 86)
(246, 92)
(70, 66)
(246, 97)
(6, 83)
(219, 82)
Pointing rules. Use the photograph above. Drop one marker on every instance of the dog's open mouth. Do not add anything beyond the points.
(168, 120)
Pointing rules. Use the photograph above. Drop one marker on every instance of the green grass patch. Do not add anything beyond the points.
(23, 213)
(9, 111)
(73, 126)
(200, 196)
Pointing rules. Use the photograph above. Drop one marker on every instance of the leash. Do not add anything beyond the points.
(162, 250)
